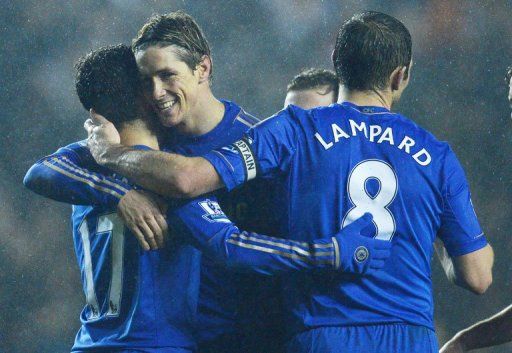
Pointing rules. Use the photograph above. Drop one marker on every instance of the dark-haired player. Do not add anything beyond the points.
(146, 301)
(312, 88)
(495, 330)
(331, 165)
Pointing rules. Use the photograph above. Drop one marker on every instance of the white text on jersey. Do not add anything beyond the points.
(375, 134)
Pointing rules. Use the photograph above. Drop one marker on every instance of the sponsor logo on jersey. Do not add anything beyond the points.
(213, 211)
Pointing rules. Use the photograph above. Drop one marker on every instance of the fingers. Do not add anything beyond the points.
(142, 215)
(377, 264)
(89, 126)
(362, 222)
(381, 254)
(382, 244)
(162, 222)
(140, 237)
(148, 235)
(96, 118)
(157, 231)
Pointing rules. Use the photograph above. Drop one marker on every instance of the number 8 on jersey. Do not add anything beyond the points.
(377, 203)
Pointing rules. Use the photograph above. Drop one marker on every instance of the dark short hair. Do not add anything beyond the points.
(508, 75)
(369, 47)
(313, 78)
(178, 29)
(107, 80)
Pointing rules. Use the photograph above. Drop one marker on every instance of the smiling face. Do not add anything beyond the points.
(169, 84)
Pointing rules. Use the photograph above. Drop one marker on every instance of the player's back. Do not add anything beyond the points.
(134, 298)
(350, 160)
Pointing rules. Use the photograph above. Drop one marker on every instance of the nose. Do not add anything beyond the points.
(158, 90)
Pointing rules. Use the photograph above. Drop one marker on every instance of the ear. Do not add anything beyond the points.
(204, 68)
(398, 76)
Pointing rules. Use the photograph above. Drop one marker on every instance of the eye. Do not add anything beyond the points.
(166, 75)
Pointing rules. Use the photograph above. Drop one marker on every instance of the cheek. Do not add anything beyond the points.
(190, 90)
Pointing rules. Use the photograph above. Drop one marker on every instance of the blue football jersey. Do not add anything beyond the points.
(331, 165)
(146, 300)
(134, 298)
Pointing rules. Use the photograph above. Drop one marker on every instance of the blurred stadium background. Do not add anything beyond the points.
(461, 52)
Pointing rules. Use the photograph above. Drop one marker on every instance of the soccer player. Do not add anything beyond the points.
(312, 88)
(175, 57)
(331, 165)
(146, 301)
(495, 330)
(175, 60)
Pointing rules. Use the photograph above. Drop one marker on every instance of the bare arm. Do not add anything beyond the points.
(166, 174)
(472, 271)
(489, 332)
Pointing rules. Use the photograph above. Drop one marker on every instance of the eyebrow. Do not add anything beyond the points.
(166, 70)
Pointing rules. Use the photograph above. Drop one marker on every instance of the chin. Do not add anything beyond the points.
(169, 121)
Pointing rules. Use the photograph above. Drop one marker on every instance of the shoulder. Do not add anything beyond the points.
(247, 118)
(79, 148)
(299, 114)
(421, 133)
(79, 153)
(241, 117)
(284, 125)
(304, 121)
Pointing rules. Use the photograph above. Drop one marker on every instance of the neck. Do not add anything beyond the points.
(137, 132)
(372, 98)
(206, 115)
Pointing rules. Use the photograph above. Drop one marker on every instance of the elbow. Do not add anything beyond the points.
(480, 284)
(183, 185)
(39, 181)
(474, 270)
(483, 284)
(32, 178)
(191, 178)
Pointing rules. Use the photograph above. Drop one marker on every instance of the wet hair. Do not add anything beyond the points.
(107, 80)
(313, 78)
(508, 76)
(369, 47)
(178, 29)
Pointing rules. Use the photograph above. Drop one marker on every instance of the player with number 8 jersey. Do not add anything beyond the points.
(332, 165)
(359, 159)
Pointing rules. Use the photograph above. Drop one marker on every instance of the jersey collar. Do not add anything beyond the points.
(365, 109)
(230, 113)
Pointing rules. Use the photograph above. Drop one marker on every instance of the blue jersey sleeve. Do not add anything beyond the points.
(460, 231)
(204, 223)
(66, 176)
(265, 151)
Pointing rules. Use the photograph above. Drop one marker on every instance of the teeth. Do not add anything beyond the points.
(166, 105)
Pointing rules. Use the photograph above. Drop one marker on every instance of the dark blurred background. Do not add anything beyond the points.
(461, 52)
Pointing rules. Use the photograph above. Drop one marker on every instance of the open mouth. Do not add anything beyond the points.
(165, 105)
